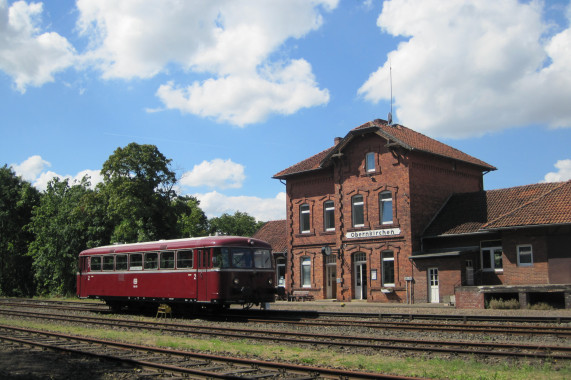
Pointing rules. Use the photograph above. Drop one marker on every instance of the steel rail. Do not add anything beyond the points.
(279, 369)
(442, 346)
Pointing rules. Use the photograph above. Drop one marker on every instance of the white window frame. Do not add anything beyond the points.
(384, 202)
(520, 253)
(385, 259)
(328, 209)
(353, 214)
(491, 252)
(370, 164)
(305, 266)
(303, 212)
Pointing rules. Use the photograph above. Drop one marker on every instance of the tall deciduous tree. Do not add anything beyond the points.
(191, 220)
(138, 183)
(239, 224)
(17, 198)
(68, 220)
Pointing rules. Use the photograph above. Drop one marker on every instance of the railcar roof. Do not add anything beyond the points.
(162, 245)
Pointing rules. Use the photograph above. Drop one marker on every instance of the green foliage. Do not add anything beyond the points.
(17, 198)
(191, 220)
(67, 220)
(138, 185)
(239, 224)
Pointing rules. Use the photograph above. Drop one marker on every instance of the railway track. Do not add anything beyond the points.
(446, 346)
(174, 361)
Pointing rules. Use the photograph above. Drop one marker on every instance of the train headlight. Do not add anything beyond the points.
(270, 281)
(236, 281)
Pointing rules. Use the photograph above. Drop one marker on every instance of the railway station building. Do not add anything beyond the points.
(388, 214)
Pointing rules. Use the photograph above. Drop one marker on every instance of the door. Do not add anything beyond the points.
(202, 256)
(360, 271)
(331, 273)
(433, 291)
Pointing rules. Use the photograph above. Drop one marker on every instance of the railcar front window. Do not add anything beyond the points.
(167, 260)
(108, 263)
(121, 262)
(262, 258)
(241, 258)
(221, 258)
(151, 260)
(184, 259)
(95, 263)
(136, 261)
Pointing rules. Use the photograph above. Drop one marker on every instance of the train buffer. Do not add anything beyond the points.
(164, 310)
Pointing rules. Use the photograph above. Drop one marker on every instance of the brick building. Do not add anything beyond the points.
(356, 212)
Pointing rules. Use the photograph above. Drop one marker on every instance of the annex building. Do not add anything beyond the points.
(388, 214)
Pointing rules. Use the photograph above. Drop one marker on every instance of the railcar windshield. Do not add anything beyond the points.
(242, 258)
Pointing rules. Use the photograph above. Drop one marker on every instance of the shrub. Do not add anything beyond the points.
(504, 304)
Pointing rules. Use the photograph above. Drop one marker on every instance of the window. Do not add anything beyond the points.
(151, 260)
(386, 207)
(370, 162)
(135, 261)
(167, 260)
(221, 257)
(108, 262)
(304, 218)
(524, 256)
(184, 259)
(95, 263)
(121, 262)
(388, 270)
(262, 258)
(306, 272)
(358, 213)
(491, 255)
(329, 216)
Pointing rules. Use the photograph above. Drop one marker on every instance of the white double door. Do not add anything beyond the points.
(433, 289)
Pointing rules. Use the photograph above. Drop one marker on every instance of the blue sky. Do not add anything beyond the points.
(235, 91)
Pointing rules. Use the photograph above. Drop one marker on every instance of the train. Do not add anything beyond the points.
(211, 272)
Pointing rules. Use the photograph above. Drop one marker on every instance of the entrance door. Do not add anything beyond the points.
(331, 281)
(360, 271)
(433, 291)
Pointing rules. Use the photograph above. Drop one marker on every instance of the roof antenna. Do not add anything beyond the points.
(390, 117)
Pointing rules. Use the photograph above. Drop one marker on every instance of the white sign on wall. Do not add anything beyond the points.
(373, 233)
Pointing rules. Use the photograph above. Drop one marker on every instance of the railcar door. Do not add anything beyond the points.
(203, 263)
(187, 273)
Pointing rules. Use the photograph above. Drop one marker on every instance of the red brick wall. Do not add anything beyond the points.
(469, 298)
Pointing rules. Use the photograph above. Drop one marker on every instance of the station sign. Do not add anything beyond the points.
(373, 233)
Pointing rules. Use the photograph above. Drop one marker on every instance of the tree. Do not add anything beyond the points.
(138, 184)
(191, 220)
(68, 220)
(17, 199)
(239, 224)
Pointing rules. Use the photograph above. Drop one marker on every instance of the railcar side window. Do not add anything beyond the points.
(95, 263)
(151, 260)
(135, 261)
(221, 258)
(167, 260)
(121, 262)
(262, 258)
(108, 262)
(184, 259)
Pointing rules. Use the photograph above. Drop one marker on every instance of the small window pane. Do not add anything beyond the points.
(370, 162)
(121, 262)
(151, 260)
(524, 255)
(108, 262)
(96, 263)
(167, 260)
(135, 261)
(184, 259)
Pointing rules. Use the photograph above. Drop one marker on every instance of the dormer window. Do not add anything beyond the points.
(370, 162)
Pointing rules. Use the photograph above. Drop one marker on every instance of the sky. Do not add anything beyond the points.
(234, 91)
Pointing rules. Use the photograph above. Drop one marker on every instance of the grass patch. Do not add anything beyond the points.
(428, 367)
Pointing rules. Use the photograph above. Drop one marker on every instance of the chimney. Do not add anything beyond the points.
(337, 140)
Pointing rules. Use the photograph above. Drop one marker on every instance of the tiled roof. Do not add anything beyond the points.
(397, 134)
(275, 233)
(538, 204)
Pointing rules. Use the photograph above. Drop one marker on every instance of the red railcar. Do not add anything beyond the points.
(210, 271)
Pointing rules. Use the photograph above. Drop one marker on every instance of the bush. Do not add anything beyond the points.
(504, 304)
(541, 306)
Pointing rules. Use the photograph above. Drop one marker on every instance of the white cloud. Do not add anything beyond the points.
(472, 67)
(33, 170)
(263, 209)
(30, 57)
(216, 173)
(229, 42)
(563, 173)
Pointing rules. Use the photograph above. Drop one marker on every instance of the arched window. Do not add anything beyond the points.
(386, 207)
(304, 218)
(306, 272)
(329, 216)
(358, 211)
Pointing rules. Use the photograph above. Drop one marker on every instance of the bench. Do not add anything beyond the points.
(300, 295)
